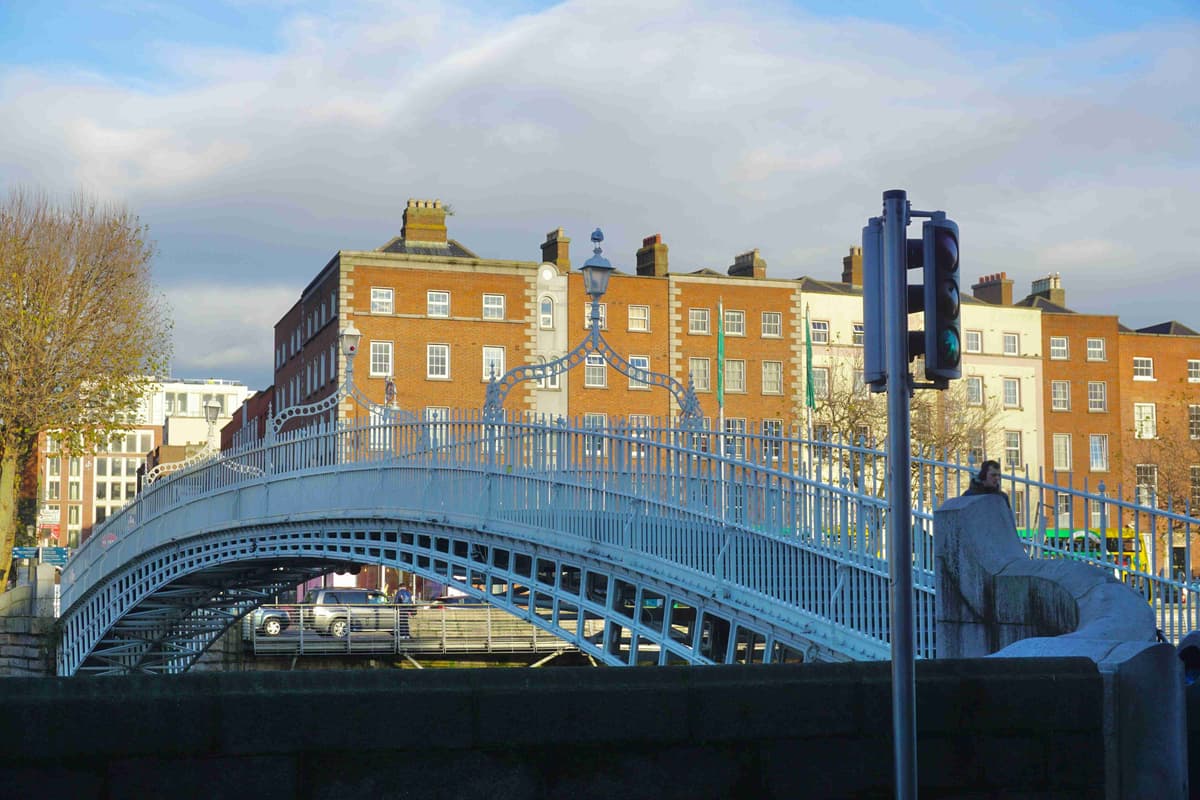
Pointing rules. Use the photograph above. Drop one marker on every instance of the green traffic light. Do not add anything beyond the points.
(949, 348)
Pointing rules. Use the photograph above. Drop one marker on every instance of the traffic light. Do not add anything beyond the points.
(943, 327)
(874, 334)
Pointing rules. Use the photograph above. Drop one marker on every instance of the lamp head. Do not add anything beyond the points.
(350, 337)
(212, 409)
(596, 270)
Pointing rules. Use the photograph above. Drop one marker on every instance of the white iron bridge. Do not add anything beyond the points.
(635, 544)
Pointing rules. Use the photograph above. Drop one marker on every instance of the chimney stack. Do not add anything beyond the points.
(852, 267)
(995, 289)
(652, 257)
(424, 223)
(1050, 287)
(557, 249)
(748, 265)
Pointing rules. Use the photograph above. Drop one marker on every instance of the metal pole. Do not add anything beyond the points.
(899, 390)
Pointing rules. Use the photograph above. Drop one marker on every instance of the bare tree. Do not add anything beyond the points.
(82, 331)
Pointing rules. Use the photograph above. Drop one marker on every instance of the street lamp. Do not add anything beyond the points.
(596, 272)
(212, 409)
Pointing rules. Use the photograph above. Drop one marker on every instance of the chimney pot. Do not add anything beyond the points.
(652, 257)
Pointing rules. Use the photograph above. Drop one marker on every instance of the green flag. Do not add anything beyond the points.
(810, 399)
(720, 354)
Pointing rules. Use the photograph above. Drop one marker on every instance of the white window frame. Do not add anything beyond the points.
(1098, 452)
(974, 390)
(1015, 385)
(430, 372)
(381, 359)
(1096, 350)
(1060, 348)
(595, 371)
(594, 420)
(1145, 421)
(858, 334)
(1012, 450)
(437, 304)
(1061, 452)
(735, 375)
(1097, 401)
(777, 368)
(1013, 339)
(1060, 395)
(735, 323)
(772, 431)
(820, 382)
(977, 347)
(820, 331)
(587, 315)
(698, 322)
(493, 354)
(493, 306)
(1146, 484)
(382, 300)
(1143, 368)
(772, 325)
(701, 375)
(1193, 421)
(639, 319)
(642, 363)
(546, 317)
(1193, 370)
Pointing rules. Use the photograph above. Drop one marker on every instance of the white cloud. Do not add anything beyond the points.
(722, 129)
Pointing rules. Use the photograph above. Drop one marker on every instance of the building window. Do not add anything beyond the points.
(381, 301)
(974, 341)
(595, 372)
(1012, 450)
(639, 318)
(772, 324)
(1098, 452)
(546, 313)
(772, 377)
(437, 361)
(1143, 369)
(54, 466)
(1194, 422)
(437, 304)
(820, 331)
(1147, 483)
(587, 315)
(1012, 393)
(493, 362)
(549, 381)
(820, 379)
(175, 403)
(639, 363)
(974, 390)
(493, 306)
(53, 490)
(735, 437)
(1012, 344)
(1194, 370)
(772, 431)
(1062, 452)
(1060, 395)
(594, 444)
(381, 359)
(74, 490)
(1145, 426)
(698, 369)
(857, 334)
(735, 375)
(735, 323)
(698, 320)
(1097, 396)
(1058, 348)
(1095, 350)
(1195, 490)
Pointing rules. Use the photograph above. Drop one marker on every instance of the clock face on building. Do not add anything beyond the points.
(548, 273)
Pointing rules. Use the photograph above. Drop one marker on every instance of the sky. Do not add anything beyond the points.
(256, 138)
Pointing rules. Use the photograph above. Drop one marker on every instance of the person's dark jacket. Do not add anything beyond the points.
(977, 487)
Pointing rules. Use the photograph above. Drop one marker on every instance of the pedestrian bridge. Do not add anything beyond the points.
(635, 544)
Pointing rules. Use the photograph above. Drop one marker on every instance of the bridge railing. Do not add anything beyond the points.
(829, 495)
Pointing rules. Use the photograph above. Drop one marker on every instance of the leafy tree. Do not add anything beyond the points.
(82, 331)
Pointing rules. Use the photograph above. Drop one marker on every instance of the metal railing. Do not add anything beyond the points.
(611, 482)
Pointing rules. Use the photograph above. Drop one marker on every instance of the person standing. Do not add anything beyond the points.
(403, 598)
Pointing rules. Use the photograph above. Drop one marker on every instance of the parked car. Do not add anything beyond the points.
(336, 612)
(272, 620)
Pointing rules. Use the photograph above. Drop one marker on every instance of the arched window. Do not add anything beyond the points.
(547, 313)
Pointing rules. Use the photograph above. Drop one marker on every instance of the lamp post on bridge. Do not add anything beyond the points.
(212, 410)
(596, 272)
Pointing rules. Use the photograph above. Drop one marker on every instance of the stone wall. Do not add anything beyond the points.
(27, 625)
(986, 729)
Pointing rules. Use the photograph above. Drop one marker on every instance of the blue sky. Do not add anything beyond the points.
(258, 137)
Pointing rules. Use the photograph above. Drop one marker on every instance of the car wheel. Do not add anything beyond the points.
(272, 626)
(338, 628)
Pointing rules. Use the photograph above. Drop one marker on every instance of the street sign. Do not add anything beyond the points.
(24, 552)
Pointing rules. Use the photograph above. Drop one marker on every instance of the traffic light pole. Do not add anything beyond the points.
(900, 565)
